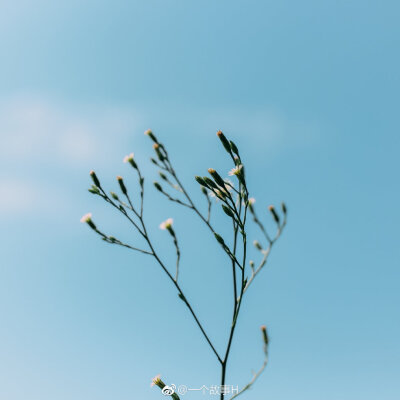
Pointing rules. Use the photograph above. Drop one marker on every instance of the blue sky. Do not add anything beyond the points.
(308, 90)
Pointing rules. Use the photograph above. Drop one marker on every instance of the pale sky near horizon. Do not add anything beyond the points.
(308, 90)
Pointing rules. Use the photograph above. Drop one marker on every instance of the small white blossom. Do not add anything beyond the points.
(166, 224)
(236, 171)
(252, 200)
(156, 380)
(86, 218)
(128, 158)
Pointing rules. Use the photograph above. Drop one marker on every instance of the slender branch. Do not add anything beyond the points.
(266, 254)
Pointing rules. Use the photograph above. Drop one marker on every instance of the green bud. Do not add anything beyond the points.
(158, 186)
(227, 211)
(209, 182)
(224, 141)
(94, 189)
(284, 208)
(156, 148)
(204, 190)
(257, 245)
(265, 335)
(234, 148)
(94, 178)
(122, 185)
(181, 296)
(163, 176)
(200, 180)
(219, 239)
(274, 214)
(114, 196)
(216, 177)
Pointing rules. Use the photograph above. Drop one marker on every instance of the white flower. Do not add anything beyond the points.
(166, 224)
(128, 158)
(156, 380)
(236, 171)
(86, 218)
(252, 200)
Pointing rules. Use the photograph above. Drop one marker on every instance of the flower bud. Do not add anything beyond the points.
(200, 180)
(219, 239)
(114, 196)
(122, 185)
(251, 262)
(209, 182)
(94, 189)
(150, 134)
(163, 176)
(234, 148)
(257, 245)
(216, 177)
(284, 208)
(265, 335)
(203, 190)
(160, 156)
(274, 214)
(158, 186)
(227, 211)
(224, 141)
(94, 178)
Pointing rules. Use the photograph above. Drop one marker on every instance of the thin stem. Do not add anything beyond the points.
(182, 296)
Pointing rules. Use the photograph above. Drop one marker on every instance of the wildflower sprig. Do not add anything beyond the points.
(235, 204)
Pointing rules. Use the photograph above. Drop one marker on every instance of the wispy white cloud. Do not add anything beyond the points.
(33, 129)
(40, 139)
